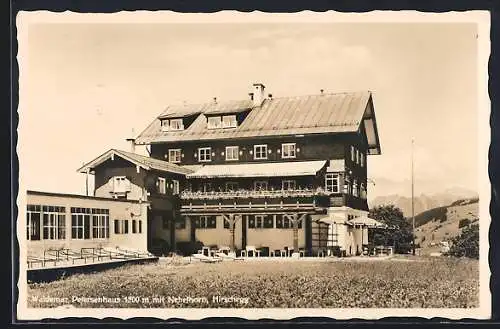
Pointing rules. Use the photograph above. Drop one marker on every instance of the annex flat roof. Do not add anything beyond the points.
(281, 116)
(281, 169)
(142, 161)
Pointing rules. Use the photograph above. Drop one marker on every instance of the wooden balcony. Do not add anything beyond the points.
(254, 201)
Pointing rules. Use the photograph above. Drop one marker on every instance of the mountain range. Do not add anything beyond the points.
(424, 202)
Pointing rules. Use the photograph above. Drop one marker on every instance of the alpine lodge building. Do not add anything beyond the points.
(283, 173)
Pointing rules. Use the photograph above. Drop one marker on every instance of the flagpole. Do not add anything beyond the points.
(412, 196)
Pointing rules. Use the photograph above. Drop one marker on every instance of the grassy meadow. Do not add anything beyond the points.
(393, 283)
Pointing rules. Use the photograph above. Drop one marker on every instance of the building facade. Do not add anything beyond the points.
(287, 172)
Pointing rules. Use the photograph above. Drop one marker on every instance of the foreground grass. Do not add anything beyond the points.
(427, 283)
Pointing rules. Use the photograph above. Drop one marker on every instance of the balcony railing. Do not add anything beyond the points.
(245, 194)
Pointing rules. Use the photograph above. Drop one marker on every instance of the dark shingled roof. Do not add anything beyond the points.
(324, 113)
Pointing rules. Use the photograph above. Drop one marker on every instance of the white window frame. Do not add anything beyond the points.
(176, 124)
(355, 188)
(260, 146)
(206, 187)
(204, 219)
(122, 223)
(175, 187)
(86, 219)
(162, 185)
(259, 221)
(102, 226)
(357, 156)
(352, 153)
(230, 150)
(285, 148)
(205, 159)
(124, 184)
(363, 191)
(334, 180)
(231, 121)
(288, 183)
(260, 184)
(174, 155)
(214, 122)
(362, 159)
(165, 125)
(233, 188)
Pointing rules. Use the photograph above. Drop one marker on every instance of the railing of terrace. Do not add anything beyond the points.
(251, 194)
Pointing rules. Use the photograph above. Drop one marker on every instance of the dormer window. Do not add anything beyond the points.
(225, 121)
(176, 124)
(172, 124)
(214, 122)
(229, 121)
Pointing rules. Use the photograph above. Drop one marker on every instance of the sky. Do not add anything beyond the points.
(87, 87)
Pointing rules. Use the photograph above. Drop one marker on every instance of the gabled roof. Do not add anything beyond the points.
(313, 114)
(142, 161)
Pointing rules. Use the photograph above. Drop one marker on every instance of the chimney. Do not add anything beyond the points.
(258, 94)
(132, 144)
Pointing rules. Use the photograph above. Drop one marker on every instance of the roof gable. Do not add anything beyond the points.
(144, 162)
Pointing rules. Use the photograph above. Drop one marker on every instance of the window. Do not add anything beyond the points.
(206, 187)
(180, 223)
(174, 155)
(256, 221)
(260, 185)
(121, 226)
(100, 224)
(229, 121)
(121, 184)
(362, 159)
(214, 123)
(176, 124)
(134, 226)
(288, 185)
(363, 191)
(175, 186)
(232, 153)
(357, 156)
(204, 154)
(33, 216)
(352, 153)
(260, 152)
(165, 125)
(332, 183)
(231, 186)
(288, 150)
(206, 222)
(47, 222)
(161, 183)
(285, 222)
(269, 221)
(355, 187)
(140, 226)
(80, 223)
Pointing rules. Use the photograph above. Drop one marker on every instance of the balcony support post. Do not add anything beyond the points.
(295, 219)
(231, 219)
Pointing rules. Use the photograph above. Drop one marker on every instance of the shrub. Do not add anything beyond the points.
(467, 243)
(159, 247)
(463, 222)
(187, 248)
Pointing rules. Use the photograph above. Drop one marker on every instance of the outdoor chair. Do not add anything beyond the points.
(252, 249)
(302, 252)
